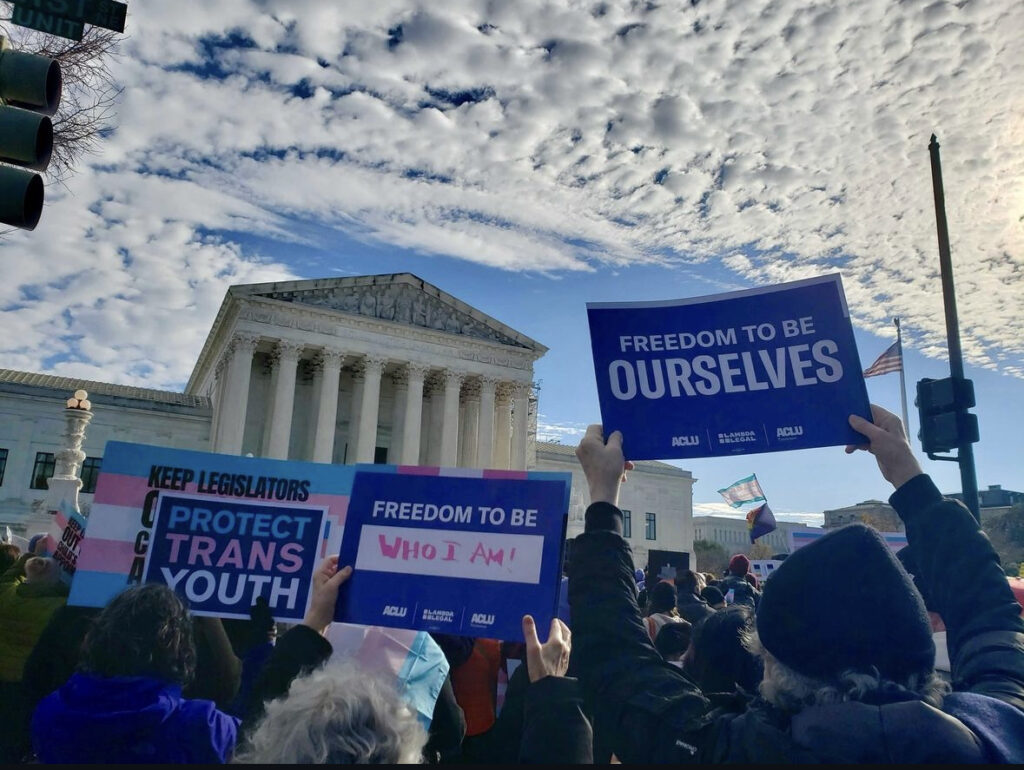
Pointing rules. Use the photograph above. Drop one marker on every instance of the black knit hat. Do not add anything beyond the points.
(845, 602)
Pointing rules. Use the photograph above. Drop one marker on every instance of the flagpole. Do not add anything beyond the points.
(903, 380)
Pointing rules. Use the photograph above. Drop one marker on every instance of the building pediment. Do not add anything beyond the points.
(400, 298)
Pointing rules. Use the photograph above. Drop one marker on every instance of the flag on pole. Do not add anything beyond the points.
(760, 521)
(745, 490)
(890, 361)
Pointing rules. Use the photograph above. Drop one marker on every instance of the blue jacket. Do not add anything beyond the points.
(93, 719)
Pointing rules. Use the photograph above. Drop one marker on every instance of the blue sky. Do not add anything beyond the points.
(530, 157)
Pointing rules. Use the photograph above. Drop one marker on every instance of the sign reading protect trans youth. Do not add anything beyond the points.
(761, 370)
(458, 551)
(220, 530)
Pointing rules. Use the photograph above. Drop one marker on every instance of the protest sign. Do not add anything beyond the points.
(64, 539)
(458, 551)
(799, 538)
(665, 565)
(218, 529)
(760, 370)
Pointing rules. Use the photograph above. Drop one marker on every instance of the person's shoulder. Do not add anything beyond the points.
(204, 728)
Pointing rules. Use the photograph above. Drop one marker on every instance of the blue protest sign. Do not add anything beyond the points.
(222, 554)
(761, 370)
(455, 551)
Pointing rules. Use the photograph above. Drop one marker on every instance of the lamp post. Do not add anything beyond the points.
(65, 483)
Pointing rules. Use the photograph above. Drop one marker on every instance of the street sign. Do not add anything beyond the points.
(47, 22)
(100, 13)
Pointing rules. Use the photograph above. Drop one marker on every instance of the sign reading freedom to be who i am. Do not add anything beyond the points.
(761, 370)
(218, 529)
(458, 551)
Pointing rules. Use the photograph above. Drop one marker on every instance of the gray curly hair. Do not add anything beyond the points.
(791, 691)
(337, 714)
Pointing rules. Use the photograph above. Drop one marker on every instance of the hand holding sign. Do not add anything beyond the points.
(603, 464)
(326, 581)
(550, 658)
(888, 443)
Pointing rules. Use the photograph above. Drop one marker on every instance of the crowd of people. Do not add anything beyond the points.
(830, 660)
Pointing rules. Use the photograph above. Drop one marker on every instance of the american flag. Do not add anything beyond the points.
(890, 361)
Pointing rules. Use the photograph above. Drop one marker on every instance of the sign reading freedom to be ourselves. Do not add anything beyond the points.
(442, 550)
(761, 370)
(220, 530)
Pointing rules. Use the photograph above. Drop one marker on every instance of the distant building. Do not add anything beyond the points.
(656, 503)
(732, 534)
(992, 502)
(874, 513)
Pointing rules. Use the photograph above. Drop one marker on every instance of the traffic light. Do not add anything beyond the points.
(30, 88)
(942, 409)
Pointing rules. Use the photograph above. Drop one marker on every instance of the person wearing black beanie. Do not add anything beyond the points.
(873, 605)
(841, 630)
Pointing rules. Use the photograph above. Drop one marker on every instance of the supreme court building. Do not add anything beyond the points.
(383, 368)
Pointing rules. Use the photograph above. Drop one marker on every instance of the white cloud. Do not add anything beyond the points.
(784, 139)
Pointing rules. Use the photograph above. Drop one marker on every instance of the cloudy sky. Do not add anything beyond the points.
(528, 157)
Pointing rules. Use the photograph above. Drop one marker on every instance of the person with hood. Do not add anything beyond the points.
(692, 607)
(31, 591)
(125, 703)
(736, 580)
(849, 672)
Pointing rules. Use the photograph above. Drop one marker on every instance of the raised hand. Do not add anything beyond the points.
(603, 464)
(550, 658)
(887, 441)
(326, 581)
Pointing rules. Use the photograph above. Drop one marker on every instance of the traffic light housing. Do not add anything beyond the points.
(30, 90)
(942, 410)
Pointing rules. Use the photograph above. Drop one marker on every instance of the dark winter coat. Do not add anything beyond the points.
(692, 608)
(648, 711)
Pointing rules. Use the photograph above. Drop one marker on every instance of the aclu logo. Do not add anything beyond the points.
(480, 619)
(393, 611)
(693, 440)
(789, 431)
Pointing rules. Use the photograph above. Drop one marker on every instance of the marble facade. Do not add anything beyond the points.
(374, 368)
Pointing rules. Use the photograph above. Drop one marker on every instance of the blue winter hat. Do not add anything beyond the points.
(33, 540)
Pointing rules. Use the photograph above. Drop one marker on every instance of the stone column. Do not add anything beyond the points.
(400, 379)
(219, 375)
(471, 423)
(231, 424)
(520, 425)
(450, 420)
(286, 359)
(503, 426)
(413, 414)
(329, 362)
(354, 408)
(430, 444)
(485, 430)
(369, 409)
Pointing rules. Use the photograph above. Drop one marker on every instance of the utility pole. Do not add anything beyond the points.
(943, 404)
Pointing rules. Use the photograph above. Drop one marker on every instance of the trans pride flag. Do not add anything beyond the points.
(746, 490)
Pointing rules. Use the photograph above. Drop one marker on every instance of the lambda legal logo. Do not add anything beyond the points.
(393, 611)
(693, 440)
(480, 619)
(789, 431)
